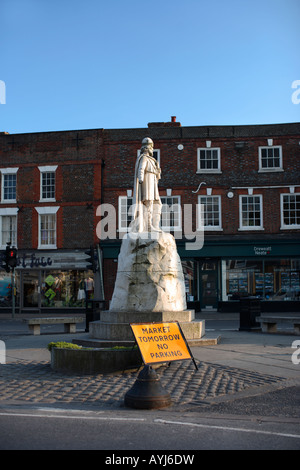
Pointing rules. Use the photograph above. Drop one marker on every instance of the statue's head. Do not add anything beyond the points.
(147, 144)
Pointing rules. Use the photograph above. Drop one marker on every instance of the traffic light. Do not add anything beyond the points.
(90, 262)
(10, 258)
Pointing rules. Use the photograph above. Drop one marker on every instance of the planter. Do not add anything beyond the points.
(94, 361)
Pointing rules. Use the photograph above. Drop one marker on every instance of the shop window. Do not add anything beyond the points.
(251, 213)
(266, 279)
(209, 160)
(282, 280)
(189, 269)
(290, 211)
(211, 212)
(270, 158)
(6, 290)
(66, 288)
(244, 278)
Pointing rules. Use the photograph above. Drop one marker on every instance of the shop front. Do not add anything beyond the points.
(227, 270)
(48, 282)
(222, 273)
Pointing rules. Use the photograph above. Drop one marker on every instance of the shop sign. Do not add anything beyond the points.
(262, 250)
(33, 261)
(161, 342)
(54, 260)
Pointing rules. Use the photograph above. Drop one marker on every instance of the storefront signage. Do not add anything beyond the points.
(161, 342)
(33, 261)
(262, 250)
(52, 260)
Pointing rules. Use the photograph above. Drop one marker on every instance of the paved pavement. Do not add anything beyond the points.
(248, 373)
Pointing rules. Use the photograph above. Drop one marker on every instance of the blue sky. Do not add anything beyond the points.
(70, 64)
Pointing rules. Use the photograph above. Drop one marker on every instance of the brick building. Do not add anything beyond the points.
(50, 188)
(245, 178)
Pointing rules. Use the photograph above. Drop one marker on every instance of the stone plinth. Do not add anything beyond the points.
(115, 326)
(149, 277)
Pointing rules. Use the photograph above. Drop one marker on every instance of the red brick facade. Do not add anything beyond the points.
(97, 166)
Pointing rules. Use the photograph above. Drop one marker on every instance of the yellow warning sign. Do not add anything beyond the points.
(161, 342)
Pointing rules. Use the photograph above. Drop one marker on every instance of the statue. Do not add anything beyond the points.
(146, 200)
(149, 277)
(150, 284)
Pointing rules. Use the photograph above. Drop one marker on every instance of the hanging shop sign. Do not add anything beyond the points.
(161, 342)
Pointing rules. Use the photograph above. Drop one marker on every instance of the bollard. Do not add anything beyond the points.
(147, 392)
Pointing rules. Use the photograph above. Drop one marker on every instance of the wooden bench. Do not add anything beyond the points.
(269, 323)
(34, 324)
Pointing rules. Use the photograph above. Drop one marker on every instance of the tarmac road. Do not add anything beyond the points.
(246, 395)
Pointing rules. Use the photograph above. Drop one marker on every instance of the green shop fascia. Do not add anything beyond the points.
(224, 271)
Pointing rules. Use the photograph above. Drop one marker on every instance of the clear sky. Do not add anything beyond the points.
(84, 64)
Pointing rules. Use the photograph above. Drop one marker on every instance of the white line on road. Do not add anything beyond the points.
(39, 415)
(227, 428)
(157, 421)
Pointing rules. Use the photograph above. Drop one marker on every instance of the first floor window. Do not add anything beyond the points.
(47, 227)
(170, 213)
(290, 211)
(9, 230)
(251, 213)
(211, 212)
(125, 216)
(8, 226)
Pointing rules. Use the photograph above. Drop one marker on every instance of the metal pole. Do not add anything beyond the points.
(13, 292)
(100, 271)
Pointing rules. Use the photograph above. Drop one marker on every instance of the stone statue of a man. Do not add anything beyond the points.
(147, 209)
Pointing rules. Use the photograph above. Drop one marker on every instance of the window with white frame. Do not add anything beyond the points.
(156, 154)
(8, 226)
(251, 217)
(211, 212)
(270, 158)
(209, 160)
(9, 185)
(290, 211)
(171, 213)
(47, 227)
(125, 216)
(47, 183)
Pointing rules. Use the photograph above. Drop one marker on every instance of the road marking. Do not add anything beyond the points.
(227, 428)
(157, 421)
(40, 415)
